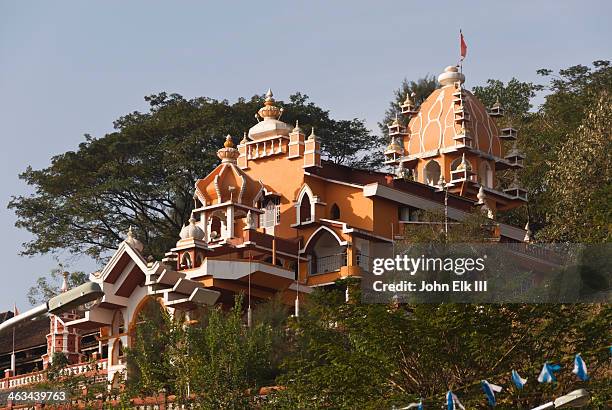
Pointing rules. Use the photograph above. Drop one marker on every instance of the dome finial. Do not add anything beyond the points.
(450, 76)
(228, 142)
(312, 135)
(464, 164)
(65, 282)
(481, 195)
(269, 110)
(132, 241)
(228, 153)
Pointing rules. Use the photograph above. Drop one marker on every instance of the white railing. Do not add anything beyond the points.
(37, 377)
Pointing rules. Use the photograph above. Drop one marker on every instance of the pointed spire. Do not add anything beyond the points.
(297, 129)
(528, 233)
(312, 135)
(65, 282)
(245, 139)
(269, 110)
(464, 164)
(132, 241)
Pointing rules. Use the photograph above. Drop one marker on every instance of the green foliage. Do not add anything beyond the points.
(579, 181)
(418, 90)
(349, 355)
(143, 173)
(217, 358)
(474, 228)
(571, 94)
(48, 286)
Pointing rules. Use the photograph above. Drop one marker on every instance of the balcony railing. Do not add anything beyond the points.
(329, 263)
(37, 377)
(364, 262)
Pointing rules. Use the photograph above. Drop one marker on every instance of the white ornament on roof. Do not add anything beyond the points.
(133, 242)
(192, 231)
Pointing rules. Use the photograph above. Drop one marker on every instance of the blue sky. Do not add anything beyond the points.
(72, 67)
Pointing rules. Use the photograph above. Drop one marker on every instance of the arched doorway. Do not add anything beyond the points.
(327, 252)
(432, 173)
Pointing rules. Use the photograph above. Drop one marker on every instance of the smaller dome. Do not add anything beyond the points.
(271, 125)
(450, 76)
(133, 242)
(192, 231)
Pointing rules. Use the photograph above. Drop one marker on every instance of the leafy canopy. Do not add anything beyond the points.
(143, 173)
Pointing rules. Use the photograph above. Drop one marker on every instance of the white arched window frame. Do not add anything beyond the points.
(305, 192)
(270, 205)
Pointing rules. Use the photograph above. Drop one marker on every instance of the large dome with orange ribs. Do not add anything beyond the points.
(227, 182)
(448, 113)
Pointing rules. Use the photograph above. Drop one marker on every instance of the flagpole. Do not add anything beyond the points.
(13, 365)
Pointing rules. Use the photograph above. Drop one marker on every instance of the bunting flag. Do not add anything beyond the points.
(462, 45)
(580, 368)
(452, 402)
(519, 382)
(418, 406)
(490, 390)
(547, 375)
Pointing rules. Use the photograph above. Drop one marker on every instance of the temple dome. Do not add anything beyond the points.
(271, 125)
(227, 182)
(435, 127)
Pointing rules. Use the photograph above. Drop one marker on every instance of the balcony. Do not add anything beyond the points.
(328, 263)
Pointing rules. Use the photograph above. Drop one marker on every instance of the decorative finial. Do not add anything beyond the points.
(228, 153)
(312, 135)
(65, 281)
(269, 110)
(441, 181)
(481, 195)
(132, 241)
(528, 232)
(228, 142)
(244, 138)
(464, 164)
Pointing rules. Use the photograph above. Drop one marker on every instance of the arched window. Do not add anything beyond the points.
(432, 173)
(199, 260)
(334, 212)
(305, 209)
(215, 227)
(186, 262)
(271, 215)
(118, 323)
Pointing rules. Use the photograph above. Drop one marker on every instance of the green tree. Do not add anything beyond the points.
(579, 180)
(143, 173)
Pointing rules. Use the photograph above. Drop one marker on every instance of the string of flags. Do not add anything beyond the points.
(547, 375)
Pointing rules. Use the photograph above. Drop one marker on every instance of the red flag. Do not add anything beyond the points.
(463, 46)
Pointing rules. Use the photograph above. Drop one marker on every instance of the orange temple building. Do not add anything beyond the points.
(275, 218)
